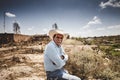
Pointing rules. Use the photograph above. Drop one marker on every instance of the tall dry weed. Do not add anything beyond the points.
(87, 64)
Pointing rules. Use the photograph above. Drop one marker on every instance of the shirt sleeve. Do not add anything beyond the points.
(54, 56)
(65, 55)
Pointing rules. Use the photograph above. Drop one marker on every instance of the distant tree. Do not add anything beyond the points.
(16, 28)
(54, 26)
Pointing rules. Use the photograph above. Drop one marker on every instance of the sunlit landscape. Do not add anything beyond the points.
(93, 41)
(88, 58)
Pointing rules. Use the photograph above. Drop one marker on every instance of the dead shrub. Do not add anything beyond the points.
(88, 64)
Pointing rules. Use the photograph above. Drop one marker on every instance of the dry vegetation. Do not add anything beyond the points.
(91, 62)
(24, 61)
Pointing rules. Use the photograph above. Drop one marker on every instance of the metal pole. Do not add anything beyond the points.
(4, 22)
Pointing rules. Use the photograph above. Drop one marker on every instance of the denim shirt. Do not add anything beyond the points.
(52, 59)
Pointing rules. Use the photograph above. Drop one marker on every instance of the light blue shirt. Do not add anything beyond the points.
(52, 55)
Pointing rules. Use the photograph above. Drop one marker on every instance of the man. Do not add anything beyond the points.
(55, 58)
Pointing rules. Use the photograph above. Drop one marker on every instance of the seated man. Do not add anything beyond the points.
(55, 58)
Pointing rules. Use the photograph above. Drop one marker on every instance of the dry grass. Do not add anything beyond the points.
(25, 62)
(87, 64)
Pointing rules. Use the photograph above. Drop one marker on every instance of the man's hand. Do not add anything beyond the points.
(62, 57)
(53, 63)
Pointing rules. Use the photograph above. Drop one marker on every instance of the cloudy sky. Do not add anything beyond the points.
(84, 18)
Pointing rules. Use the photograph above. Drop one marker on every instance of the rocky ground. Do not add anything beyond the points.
(25, 62)
(21, 63)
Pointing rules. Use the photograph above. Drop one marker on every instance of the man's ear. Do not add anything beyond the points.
(54, 36)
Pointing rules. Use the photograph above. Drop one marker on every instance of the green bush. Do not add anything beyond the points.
(115, 53)
(116, 46)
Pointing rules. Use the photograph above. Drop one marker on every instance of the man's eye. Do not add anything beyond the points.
(59, 37)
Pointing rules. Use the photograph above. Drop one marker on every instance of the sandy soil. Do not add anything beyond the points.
(24, 63)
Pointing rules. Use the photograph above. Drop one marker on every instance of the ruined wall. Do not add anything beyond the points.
(10, 37)
(6, 38)
(20, 37)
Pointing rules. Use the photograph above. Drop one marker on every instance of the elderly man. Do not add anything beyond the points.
(55, 58)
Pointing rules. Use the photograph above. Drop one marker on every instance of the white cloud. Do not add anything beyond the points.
(86, 26)
(86, 33)
(45, 31)
(30, 28)
(94, 21)
(100, 29)
(10, 14)
(114, 27)
(111, 3)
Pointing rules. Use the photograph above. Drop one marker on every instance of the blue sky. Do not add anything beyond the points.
(84, 18)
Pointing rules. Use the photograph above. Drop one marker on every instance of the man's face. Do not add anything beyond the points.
(58, 39)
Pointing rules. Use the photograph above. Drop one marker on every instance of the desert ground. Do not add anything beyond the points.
(25, 61)
(21, 63)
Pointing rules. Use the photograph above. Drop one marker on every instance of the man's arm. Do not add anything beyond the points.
(55, 58)
(64, 57)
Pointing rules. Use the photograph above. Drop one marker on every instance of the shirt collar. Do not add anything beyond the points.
(55, 44)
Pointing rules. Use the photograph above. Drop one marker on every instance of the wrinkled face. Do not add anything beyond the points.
(58, 39)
